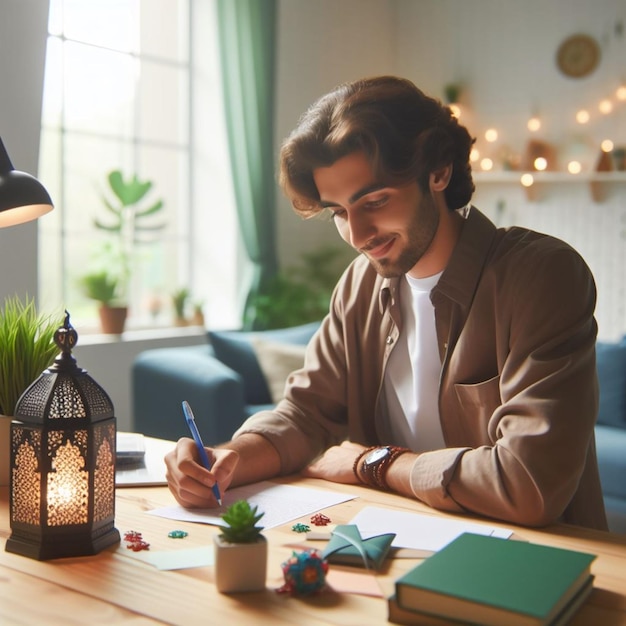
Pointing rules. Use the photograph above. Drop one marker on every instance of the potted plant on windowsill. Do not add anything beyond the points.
(197, 317)
(129, 225)
(179, 301)
(102, 287)
(27, 349)
(240, 550)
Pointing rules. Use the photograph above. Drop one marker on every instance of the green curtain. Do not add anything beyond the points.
(247, 39)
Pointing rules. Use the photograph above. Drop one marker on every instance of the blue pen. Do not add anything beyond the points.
(191, 422)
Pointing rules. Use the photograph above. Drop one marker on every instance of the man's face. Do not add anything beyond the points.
(393, 226)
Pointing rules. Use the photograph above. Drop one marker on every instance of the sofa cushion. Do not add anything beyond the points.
(611, 366)
(277, 361)
(234, 349)
(610, 447)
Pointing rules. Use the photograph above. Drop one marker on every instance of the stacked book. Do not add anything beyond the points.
(478, 579)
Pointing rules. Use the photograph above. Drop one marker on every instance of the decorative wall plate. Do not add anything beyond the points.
(578, 55)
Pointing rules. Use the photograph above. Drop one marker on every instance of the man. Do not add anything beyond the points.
(457, 362)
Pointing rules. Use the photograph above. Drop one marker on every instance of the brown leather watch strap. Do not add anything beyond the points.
(355, 467)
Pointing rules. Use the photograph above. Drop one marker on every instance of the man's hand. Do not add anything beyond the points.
(190, 482)
(336, 464)
(247, 459)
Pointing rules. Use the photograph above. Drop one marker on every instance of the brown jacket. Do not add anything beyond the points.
(518, 392)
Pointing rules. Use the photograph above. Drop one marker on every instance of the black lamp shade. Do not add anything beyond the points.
(22, 197)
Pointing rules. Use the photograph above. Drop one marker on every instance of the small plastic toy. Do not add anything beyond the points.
(135, 542)
(305, 573)
(300, 528)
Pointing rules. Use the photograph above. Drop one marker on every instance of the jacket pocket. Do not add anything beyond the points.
(478, 402)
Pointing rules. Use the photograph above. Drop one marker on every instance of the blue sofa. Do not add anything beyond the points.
(224, 383)
(611, 430)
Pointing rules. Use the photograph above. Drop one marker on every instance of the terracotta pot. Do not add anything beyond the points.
(240, 566)
(113, 319)
(197, 319)
(5, 449)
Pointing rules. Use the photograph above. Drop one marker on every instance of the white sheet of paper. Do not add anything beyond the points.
(417, 530)
(279, 503)
(182, 559)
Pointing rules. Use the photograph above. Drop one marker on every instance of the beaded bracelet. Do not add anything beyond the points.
(380, 471)
(355, 467)
(376, 476)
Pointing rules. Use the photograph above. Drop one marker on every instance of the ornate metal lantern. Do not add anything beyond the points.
(62, 484)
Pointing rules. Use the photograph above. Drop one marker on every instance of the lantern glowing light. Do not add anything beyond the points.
(62, 484)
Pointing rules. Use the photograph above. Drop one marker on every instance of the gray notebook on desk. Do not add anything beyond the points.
(148, 471)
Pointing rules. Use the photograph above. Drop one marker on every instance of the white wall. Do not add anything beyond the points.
(23, 29)
(321, 44)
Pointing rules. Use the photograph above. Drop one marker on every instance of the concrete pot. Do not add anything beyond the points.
(240, 566)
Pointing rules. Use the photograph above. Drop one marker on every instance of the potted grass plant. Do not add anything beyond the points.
(240, 550)
(27, 349)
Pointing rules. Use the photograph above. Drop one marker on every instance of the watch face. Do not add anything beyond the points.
(376, 456)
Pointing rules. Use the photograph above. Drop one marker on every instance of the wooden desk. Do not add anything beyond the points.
(116, 587)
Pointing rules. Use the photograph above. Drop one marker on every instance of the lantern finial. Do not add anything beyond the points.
(65, 338)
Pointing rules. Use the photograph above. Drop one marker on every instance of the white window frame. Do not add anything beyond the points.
(208, 248)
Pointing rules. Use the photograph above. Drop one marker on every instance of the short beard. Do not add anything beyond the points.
(420, 234)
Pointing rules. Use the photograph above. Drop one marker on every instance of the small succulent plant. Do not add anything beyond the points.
(241, 521)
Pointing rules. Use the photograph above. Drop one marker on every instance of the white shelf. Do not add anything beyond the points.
(549, 177)
(596, 181)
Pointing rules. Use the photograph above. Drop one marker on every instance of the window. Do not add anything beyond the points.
(133, 85)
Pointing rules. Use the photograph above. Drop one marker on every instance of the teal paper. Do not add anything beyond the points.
(347, 547)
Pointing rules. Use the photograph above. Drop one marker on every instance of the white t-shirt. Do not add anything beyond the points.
(411, 385)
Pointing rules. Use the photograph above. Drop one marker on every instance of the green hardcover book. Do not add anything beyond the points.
(487, 580)
(398, 615)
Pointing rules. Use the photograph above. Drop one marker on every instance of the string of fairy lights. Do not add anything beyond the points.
(583, 116)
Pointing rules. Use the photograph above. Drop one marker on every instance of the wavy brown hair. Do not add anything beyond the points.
(405, 134)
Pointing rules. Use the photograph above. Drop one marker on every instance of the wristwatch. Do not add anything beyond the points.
(376, 463)
(374, 458)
